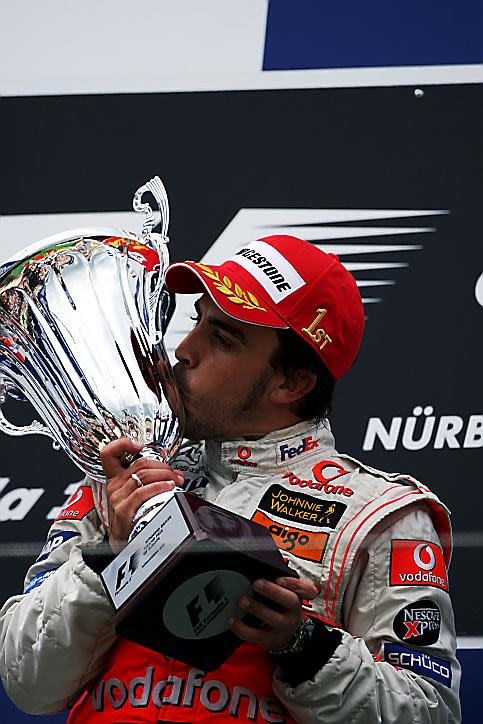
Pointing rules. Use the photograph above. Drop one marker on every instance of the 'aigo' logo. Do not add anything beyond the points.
(306, 544)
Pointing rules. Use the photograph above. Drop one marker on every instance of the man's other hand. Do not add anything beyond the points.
(126, 493)
(278, 627)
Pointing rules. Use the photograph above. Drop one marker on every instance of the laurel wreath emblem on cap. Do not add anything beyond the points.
(233, 292)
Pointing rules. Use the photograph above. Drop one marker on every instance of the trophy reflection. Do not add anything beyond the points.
(81, 338)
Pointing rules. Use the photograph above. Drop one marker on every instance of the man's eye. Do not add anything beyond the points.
(221, 341)
(196, 319)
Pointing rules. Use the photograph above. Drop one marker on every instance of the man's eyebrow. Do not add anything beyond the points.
(221, 324)
(227, 327)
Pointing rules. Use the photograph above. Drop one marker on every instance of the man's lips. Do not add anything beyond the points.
(180, 377)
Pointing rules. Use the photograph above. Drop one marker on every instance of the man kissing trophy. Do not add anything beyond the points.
(82, 318)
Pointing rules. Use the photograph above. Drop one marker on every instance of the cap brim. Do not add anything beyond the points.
(237, 298)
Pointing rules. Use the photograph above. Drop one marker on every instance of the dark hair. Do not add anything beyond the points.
(295, 354)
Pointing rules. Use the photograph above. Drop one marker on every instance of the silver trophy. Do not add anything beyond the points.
(82, 316)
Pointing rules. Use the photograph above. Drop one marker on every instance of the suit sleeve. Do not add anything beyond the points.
(396, 660)
(56, 635)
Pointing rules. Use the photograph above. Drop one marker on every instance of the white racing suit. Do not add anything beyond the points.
(377, 545)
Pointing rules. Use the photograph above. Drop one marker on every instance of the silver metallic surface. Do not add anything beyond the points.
(81, 323)
(148, 510)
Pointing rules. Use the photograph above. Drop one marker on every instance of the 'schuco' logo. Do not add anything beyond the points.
(419, 623)
(423, 664)
(243, 454)
(290, 452)
(417, 563)
(305, 544)
(301, 508)
(317, 334)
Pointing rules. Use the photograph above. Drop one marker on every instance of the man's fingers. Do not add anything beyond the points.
(147, 476)
(280, 622)
(247, 633)
(304, 588)
(121, 487)
(115, 496)
(288, 600)
(112, 454)
(125, 507)
(145, 463)
(146, 471)
(262, 611)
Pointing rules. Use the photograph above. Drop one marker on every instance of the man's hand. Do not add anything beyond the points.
(278, 626)
(126, 493)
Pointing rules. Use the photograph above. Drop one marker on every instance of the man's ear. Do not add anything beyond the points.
(294, 386)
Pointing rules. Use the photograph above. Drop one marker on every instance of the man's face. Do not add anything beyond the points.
(224, 375)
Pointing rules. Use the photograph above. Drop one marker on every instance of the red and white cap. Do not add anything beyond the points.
(284, 282)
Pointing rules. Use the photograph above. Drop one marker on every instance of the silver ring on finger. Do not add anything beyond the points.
(137, 480)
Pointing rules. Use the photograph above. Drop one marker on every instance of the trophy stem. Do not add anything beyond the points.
(153, 453)
(148, 510)
(148, 452)
(151, 507)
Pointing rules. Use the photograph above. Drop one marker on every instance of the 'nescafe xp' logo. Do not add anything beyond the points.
(418, 623)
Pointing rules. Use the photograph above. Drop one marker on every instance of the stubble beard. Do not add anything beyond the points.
(218, 419)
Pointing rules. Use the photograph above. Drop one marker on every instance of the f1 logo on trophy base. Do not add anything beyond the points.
(177, 583)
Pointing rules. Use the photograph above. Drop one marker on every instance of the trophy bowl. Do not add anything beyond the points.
(82, 316)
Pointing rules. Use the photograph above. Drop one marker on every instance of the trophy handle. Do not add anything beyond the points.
(161, 216)
(159, 241)
(35, 427)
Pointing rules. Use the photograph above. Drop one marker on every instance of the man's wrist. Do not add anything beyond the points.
(302, 633)
(97, 556)
(309, 651)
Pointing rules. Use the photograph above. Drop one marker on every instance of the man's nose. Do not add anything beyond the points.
(186, 352)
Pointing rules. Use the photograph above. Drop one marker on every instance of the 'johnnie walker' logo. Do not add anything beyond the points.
(318, 334)
(298, 507)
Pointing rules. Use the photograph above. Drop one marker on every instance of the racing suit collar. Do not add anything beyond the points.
(275, 451)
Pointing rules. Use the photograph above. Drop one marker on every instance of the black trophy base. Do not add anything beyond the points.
(183, 607)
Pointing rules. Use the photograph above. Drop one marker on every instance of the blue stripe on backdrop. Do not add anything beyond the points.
(355, 34)
(9, 714)
(471, 661)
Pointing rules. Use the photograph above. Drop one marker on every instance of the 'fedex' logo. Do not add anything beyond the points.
(290, 452)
